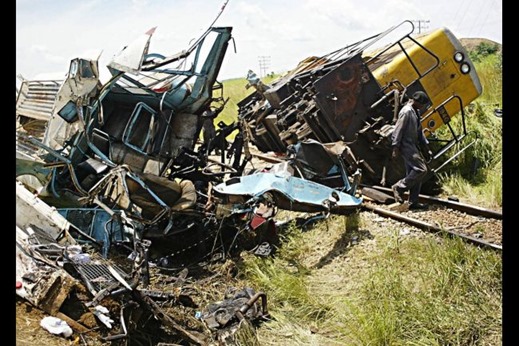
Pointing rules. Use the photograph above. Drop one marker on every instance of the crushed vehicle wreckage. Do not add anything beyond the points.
(67, 277)
(131, 144)
(118, 166)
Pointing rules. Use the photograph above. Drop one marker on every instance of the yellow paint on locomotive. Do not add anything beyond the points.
(444, 81)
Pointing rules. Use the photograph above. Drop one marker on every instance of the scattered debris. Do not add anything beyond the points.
(56, 326)
(116, 196)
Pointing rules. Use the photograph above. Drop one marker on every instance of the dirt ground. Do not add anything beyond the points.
(29, 332)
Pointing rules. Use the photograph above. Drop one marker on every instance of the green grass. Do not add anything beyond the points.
(396, 291)
(475, 175)
(235, 90)
(428, 294)
(284, 277)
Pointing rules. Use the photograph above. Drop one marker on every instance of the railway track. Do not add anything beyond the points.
(476, 225)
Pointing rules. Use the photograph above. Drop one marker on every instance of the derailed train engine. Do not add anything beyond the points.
(354, 95)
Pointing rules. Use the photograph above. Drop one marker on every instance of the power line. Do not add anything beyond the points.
(422, 24)
(264, 64)
(455, 19)
(464, 13)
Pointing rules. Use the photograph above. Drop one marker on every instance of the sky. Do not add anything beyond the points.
(273, 34)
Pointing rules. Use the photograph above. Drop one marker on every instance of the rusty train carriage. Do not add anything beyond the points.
(354, 95)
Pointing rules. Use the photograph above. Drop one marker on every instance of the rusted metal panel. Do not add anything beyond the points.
(36, 98)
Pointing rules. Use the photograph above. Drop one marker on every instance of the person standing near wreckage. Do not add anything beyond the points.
(209, 131)
(254, 81)
(407, 137)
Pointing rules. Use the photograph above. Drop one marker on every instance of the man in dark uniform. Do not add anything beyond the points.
(406, 140)
(209, 130)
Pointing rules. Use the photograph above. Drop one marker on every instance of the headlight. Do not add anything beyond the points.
(465, 68)
(458, 56)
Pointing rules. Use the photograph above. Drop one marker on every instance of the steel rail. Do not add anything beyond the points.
(429, 227)
(467, 208)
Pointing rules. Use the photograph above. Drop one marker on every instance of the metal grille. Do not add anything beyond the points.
(96, 274)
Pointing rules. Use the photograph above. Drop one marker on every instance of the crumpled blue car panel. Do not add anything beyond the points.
(292, 193)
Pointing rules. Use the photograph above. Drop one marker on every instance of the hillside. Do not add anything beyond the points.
(470, 43)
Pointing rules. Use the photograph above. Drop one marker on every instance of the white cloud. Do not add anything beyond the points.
(44, 53)
(287, 31)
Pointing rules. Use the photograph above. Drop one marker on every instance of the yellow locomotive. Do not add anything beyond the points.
(354, 94)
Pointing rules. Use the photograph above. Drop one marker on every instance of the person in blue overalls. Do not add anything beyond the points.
(406, 140)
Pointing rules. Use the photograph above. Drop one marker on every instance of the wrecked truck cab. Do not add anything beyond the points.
(122, 145)
(146, 113)
(143, 117)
